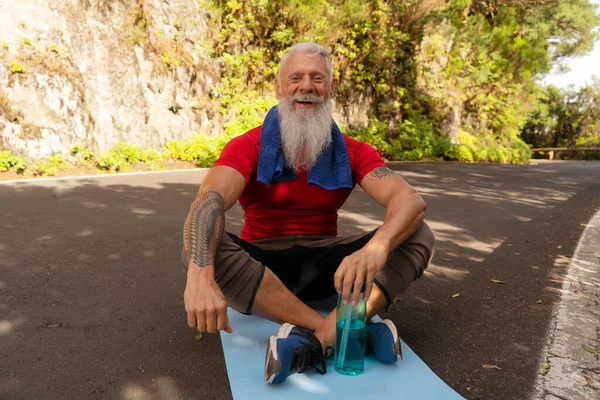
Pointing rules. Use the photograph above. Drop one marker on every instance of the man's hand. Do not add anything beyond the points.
(205, 304)
(358, 269)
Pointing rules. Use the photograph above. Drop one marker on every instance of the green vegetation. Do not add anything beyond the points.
(54, 48)
(49, 166)
(123, 155)
(199, 150)
(442, 79)
(566, 118)
(16, 68)
(10, 162)
(436, 80)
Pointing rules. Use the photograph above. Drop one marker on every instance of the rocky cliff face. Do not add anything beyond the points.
(95, 72)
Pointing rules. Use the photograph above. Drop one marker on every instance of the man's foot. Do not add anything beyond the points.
(383, 341)
(294, 349)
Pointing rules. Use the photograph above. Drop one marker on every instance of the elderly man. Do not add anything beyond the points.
(291, 175)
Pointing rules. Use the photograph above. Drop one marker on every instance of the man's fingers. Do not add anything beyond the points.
(369, 285)
(191, 320)
(201, 319)
(211, 321)
(347, 285)
(338, 278)
(358, 284)
(223, 320)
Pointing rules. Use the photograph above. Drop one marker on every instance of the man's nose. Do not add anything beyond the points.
(306, 85)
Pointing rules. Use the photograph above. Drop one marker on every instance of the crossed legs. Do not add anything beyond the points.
(275, 302)
(253, 279)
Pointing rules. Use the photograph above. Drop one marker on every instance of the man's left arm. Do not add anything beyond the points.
(404, 213)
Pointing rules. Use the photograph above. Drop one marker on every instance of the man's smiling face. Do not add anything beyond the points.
(304, 81)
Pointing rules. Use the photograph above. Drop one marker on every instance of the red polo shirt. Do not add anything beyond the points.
(292, 207)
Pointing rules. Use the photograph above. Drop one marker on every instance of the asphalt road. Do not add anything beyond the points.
(91, 285)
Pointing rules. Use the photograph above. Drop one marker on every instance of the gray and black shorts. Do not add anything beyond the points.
(306, 265)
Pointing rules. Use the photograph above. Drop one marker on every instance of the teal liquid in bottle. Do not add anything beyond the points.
(353, 362)
(354, 359)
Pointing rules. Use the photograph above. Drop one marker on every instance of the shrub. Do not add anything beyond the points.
(375, 134)
(123, 154)
(81, 153)
(10, 162)
(201, 150)
(50, 166)
(109, 161)
(413, 141)
(16, 68)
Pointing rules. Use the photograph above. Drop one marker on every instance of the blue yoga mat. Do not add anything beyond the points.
(245, 351)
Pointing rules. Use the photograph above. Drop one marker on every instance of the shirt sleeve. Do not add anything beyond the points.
(367, 159)
(241, 154)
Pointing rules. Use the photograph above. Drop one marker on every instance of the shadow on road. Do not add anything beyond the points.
(92, 286)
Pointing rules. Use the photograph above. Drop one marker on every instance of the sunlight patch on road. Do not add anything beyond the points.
(143, 211)
(89, 204)
(453, 273)
(161, 388)
(445, 232)
(522, 219)
(44, 238)
(7, 326)
(365, 223)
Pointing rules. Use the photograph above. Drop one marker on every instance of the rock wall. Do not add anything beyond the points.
(96, 72)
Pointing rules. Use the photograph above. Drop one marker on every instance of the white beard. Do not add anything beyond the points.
(304, 133)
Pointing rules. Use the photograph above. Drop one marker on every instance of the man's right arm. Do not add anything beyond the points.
(204, 226)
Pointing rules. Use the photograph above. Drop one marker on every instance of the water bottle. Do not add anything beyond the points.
(350, 337)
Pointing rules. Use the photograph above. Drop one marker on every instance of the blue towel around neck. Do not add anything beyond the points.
(331, 170)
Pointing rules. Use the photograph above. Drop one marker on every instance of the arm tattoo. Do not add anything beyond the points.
(204, 228)
(380, 173)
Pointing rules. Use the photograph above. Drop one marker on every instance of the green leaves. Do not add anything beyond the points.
(9, 161)
(424, 73)
(588, 349)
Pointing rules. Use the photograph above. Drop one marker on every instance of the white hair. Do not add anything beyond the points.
(312, 49)
(304, 136)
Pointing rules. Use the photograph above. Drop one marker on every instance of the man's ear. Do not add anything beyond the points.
(334, 83)
(277, 95)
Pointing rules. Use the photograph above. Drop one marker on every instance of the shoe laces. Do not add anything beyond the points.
(309, 355)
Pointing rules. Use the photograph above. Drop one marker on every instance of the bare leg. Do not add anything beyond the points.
(325, 332)
(275, 302)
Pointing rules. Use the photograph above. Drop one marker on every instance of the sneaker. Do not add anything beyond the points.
(293, 350)
(383, 342)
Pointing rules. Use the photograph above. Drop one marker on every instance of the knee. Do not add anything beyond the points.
(418, 248)
(426, 238)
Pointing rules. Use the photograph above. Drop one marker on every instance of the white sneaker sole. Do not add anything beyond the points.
(392, 327)
(272, 365)
(284, 330)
